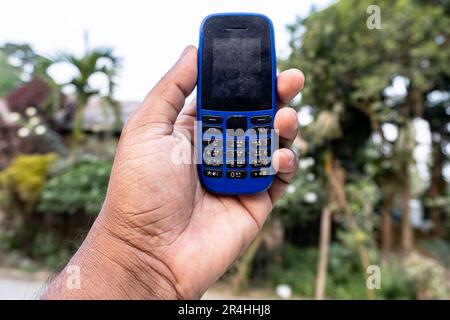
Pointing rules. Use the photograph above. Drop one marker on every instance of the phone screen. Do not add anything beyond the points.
(237, 67)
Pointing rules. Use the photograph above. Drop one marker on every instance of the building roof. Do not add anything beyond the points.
(98, 116)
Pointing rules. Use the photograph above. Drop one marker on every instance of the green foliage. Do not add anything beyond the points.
(362, 196)
(297, 271)
(349, 67)
(77, 188)
(48, 249)
(350, 93)
(348, 63)
(10, 76)
(94, 61)
(28, 62)
(22, 181)
(345, 278)
(395, 284)
(22, 53)
(304, 197)
(72, 189)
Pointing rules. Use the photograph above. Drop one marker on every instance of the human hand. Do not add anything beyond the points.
(160, 234)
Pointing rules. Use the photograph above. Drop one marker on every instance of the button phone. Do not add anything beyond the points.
(236, 105)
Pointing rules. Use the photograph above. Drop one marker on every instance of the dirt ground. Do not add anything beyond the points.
(17, 284)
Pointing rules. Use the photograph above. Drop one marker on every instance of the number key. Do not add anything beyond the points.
(260, 152)
(256, 163)
(260, 142)
(236, 174)
(260, 173)
(211, 173)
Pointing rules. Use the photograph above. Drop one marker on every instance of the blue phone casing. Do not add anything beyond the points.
(224, 185)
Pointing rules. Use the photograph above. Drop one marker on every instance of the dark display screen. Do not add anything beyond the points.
(237, 67)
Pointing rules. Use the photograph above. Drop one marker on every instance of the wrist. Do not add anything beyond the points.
(111, 267)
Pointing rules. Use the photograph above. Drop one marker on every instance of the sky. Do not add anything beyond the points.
(148, 35)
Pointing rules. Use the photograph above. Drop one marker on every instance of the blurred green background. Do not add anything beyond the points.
(374, 145)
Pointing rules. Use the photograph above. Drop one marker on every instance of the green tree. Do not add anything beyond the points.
(22, 53)
(27, 66)
(350, 70)
(94, 61)
(10, 75)
(437, 102)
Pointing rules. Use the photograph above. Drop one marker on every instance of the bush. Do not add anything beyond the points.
(77, 188)
(395, 284)
(48, 207)
(21, 184)
(345, 279)
(22, 181)
(51, 251)
(297, 271)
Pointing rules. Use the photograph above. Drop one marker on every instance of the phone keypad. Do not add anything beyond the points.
(235, 154)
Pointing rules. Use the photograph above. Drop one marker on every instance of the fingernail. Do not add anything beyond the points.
(292, 158)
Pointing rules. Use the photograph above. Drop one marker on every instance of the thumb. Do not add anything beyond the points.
(164, 102)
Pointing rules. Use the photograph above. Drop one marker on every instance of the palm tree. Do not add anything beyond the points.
(93, 62)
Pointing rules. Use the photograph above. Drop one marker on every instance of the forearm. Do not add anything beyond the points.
(109, 268)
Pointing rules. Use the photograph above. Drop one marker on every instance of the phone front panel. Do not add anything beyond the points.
(236, 103)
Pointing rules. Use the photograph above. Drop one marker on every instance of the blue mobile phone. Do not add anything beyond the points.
(236, 103)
